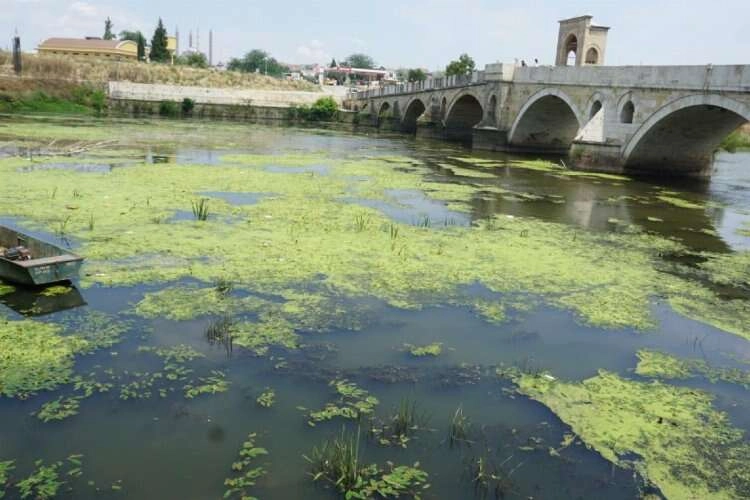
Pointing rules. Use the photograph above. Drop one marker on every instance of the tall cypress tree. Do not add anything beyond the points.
(108, 35)
(141, 47)
(159, 50)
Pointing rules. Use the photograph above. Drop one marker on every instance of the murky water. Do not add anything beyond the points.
(176, 448)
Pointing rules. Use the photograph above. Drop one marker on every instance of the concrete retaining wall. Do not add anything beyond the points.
(203, 95)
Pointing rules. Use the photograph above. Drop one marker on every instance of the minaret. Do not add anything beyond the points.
(198, 39)
(210, 48)
(177, 40)
(190, 40)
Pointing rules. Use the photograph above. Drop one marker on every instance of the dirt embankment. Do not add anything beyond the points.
(48, 72)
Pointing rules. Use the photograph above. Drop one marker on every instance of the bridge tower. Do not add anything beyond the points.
(581, 43)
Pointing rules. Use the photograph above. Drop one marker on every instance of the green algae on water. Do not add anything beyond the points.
(434, 349)
(686, 447)
(656, 364)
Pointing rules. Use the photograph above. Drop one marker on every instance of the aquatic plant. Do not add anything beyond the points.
(54, 291)
(43, 484)
(656, 364)
(686, 447)
(459, 428)
(220, 332)
(59, 409)
(489, 479)
(403, 423)
(200, 209)
(338, 463)
(353, 403)
(434, 349)
(267, 398)
(361, 222)
(244, 476)
(212, 384)
(6, 468)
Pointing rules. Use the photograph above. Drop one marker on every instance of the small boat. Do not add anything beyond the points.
(29, 261)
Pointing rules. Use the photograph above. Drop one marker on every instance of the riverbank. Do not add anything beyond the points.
(737, 140)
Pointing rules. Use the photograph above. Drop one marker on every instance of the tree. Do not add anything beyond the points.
(159, 52)
(257, 61)
(137, 37)
(416, 75)
(108, 35)
(194, 59)
(360, 61)
(464, 66)
(333, 63)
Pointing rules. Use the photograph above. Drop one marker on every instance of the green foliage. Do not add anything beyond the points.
(137, 37)
(267, 398)
(194, 59)
(59, 409)
(168, 109)
(43, 484)
(337, 462)
(322, 110)
(108, 35)
(362, 61)
(398, 430)
(200, 209)
(213, 384)
(459, 428)
(159, 52)
(244, 476)
(257, 61)
(187, 106)
(416, 75)
(463, 66)
(353, 403)
(433, 349)
(737, 140)
(5, 469)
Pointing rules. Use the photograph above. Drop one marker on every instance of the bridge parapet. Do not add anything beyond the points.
(476, 78)
(715, 78)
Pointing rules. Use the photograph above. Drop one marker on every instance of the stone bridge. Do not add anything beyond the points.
(663, 120)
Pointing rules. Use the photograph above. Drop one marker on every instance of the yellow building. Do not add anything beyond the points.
(116, 49)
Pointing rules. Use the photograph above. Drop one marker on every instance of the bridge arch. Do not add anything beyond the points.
(414, 109)
(383, 112)
(463, 114)
(681, 137)
(549, 120)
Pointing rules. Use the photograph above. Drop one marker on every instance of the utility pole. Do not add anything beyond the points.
(210, 48)
(17, 54)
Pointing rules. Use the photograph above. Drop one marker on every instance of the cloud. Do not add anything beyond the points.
(314, 51)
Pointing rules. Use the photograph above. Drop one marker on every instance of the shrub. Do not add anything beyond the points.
(187, 106)
(167, 108)
(324, 109)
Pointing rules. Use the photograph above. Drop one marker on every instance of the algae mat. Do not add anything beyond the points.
(254, 237)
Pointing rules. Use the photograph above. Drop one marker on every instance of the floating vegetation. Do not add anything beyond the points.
(6, 289)
(267, 398)
(59, 409)
(434, 349)
(244, 475)
(36, 356)
(213, 384)
(5, 469)
(459, 429)
(45, 482)
(659, 365)
(338, 463)
(352, 403)
(200, 209)
(54, 291)
(668, 197)
(683, 445)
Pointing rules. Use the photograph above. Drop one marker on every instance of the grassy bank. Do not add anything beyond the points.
(101, 71)
(739, 139)
(80, 99)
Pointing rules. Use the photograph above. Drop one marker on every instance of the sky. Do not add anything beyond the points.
(406, 33)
